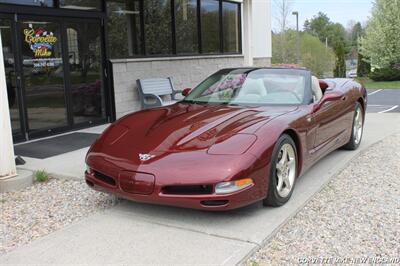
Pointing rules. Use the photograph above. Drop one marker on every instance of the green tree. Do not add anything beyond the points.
(335, 34)
(314, 55)
(340, 64)
(381, 44)
(284, 47)
(363, 67)
(354, 35)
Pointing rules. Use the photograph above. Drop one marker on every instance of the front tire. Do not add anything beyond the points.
(357, 128)
(283, 172)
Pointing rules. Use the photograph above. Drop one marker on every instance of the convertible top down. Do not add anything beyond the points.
(242, 135)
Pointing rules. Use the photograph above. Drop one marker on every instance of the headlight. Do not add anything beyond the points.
(229, 187)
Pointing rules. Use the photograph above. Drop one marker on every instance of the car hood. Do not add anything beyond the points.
(190, 127)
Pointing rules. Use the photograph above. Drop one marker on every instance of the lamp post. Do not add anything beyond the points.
(7, 161)
(296, 13)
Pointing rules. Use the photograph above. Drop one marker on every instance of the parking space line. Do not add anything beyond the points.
(388, 110)
(374, 92)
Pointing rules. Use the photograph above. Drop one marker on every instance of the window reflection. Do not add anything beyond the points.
(124, 31)
(84, 56)
(231, 27)
(44, 3)
(144, 27)
(157, 20)
(186, 26)
(210, 26)
(81, 4)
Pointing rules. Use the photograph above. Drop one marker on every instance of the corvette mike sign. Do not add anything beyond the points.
(40, 41)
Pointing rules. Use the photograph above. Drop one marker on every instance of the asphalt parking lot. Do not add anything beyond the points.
(383, 101)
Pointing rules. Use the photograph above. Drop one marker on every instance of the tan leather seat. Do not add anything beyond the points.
(316, 89)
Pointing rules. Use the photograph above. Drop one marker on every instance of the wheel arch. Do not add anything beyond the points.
(293, 134)
(361, 101)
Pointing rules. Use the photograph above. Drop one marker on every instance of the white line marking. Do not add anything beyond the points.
(388, 110)
(376, 105)
(374, 92)
(226, 260)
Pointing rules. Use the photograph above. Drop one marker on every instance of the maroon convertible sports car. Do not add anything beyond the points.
(242, 135)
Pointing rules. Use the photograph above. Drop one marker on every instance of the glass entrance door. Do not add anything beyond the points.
(43, 75)
(6, 28)
(55, 77)
(85, 71)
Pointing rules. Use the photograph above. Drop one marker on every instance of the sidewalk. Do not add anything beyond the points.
(68, 165)
(147, 234)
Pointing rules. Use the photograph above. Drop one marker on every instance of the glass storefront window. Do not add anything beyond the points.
(124, 31)
(138, 28)
(230, 13)
(157, 26)
(210, 33)
(81, 4)
(44, 3)
(186, 26)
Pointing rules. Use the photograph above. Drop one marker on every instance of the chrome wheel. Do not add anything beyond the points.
(285, 170)
(358, 125)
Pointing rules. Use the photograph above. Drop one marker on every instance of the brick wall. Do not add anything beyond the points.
(186, 72)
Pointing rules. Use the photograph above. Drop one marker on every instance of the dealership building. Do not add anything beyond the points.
(72, 64)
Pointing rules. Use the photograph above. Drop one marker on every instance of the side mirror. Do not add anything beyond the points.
(186, 92)
(328, 97)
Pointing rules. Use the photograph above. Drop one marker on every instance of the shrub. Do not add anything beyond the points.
(385, 74)
(41, 176)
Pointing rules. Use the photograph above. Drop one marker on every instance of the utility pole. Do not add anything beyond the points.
(7, 160)
(296, 13)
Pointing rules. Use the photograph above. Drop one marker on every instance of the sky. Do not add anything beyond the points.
(341, 11)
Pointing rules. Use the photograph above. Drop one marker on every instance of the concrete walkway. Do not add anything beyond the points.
(146, 234)
(68, 165)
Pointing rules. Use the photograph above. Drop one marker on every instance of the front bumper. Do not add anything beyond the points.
(155, 195)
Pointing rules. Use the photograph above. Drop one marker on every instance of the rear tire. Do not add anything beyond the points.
(356, 129)
(283, 172)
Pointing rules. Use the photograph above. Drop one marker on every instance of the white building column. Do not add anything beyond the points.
(248, 32)
(7, 159)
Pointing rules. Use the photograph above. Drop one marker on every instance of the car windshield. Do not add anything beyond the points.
(252, 87)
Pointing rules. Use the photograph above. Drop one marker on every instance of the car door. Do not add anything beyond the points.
(330, 121)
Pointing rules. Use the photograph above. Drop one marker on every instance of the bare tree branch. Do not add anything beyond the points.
(284, 8)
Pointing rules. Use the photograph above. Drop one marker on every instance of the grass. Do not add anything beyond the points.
(370, 84)
(41, 176)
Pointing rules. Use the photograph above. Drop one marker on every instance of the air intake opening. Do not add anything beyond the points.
(188, 190)
(214, 202)
(105, 178)
(89, 183)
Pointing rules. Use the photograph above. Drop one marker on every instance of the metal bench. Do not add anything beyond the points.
(152, 90)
